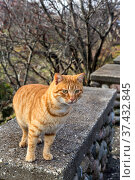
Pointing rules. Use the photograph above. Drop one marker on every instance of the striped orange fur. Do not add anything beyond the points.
(41, 108)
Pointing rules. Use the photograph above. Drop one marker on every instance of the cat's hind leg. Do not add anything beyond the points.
(23, 142)
(24, 127)
(33, 137)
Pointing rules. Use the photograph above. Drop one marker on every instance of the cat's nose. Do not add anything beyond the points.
(72, 99)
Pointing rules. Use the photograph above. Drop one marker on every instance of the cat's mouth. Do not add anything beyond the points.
(72, 102)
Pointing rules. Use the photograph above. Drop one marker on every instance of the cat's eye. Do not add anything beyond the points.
(77, 91)
(65, 91)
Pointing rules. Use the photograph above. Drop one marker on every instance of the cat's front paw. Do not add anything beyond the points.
(30, 158)
(48, 156)
(22, 144)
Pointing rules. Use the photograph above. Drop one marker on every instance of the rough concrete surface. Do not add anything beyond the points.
(109, 73)
(71, 143)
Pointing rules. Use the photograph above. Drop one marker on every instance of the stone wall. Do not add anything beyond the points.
(94, 163)
(117, 60)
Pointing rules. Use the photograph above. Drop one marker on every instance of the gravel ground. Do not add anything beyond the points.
(113, 167)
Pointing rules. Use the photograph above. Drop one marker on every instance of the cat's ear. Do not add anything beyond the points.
(57, 78)
(80, 77)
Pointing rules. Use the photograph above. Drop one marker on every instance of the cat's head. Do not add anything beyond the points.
(68, 88)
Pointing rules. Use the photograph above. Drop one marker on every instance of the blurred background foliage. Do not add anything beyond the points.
(40, 38)
(6, 110)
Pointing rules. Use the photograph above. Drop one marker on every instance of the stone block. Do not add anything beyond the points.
(115, 86)
(117, 60)
(117, 104)
(109, 73)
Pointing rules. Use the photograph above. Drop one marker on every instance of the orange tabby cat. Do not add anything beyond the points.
(41, 108)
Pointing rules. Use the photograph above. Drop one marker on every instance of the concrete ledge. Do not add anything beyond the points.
(73, 141)
(109, 73)
(108, 76)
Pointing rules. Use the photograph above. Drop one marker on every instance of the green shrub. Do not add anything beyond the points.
(6, 93)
